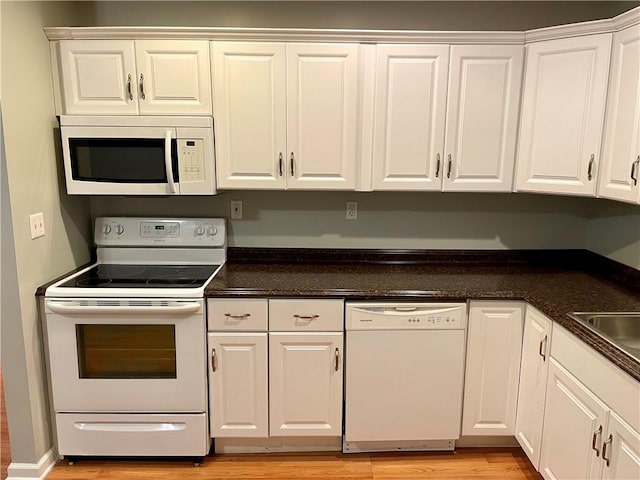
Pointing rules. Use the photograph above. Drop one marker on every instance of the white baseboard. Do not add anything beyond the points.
(31, 471)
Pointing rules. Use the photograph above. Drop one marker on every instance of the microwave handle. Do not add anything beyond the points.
(167, 161)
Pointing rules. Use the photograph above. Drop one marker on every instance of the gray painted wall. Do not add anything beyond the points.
(33, 185)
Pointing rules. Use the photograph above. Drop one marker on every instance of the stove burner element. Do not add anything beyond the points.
(170, 281)
(93, 282)
(119, 271)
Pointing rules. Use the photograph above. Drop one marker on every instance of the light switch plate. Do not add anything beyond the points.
(37, 225)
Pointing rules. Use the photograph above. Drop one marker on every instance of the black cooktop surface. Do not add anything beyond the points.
(142, 276)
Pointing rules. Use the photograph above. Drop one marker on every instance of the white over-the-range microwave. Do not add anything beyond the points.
(123, 155)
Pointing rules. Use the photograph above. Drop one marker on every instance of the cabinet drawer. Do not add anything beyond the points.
(307, 315)
(237, 315)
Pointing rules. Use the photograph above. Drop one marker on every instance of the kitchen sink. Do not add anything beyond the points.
(621, 329)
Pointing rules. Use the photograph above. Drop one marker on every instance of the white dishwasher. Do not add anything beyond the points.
(404, 375)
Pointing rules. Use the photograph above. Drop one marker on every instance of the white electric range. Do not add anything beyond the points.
(126, 340)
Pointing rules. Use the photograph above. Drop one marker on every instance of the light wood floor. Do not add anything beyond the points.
(468, 464)
(5, 450)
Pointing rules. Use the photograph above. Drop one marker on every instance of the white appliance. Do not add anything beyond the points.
(126, 155)
(126, 340)
(404, 375)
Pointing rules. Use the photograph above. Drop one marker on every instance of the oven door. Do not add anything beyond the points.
(102, 160)
(127, 355)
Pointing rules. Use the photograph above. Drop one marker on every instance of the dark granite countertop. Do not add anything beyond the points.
(555, 282)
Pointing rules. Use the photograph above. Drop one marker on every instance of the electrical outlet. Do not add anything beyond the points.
(352, 210)
(236, 209)
(37, 225)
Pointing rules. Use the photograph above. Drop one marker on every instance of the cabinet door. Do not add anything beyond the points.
(621, 151)
(562, 115)
(305, 384)
(410, 103)
(173, 77)
(322, 127)
(482, 117)
(623, 450)
(98, 77)
(533, 382)
(494, 346)
(249, 100)
(238, 385)
(573, 420)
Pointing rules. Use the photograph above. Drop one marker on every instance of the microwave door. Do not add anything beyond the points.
(120, 160)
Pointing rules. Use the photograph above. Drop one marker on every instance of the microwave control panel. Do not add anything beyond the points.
(191, 159)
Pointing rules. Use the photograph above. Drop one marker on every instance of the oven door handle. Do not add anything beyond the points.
(76, 308)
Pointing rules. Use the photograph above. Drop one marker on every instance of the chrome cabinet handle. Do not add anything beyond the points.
(437, 165)
(596, 434)
(606, 443)
(292, 162)
(542, 349)
(337, 365)
(634, 174)
(129, 87)
(142, 95)
(280, 164)
(237, 316)
(214, 362)
(306, 317)
(590, 169)
(449, 166)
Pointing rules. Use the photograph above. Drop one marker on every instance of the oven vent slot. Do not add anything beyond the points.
(148, 303)
(104, 303)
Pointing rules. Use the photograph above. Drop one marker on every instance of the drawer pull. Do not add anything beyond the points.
(594, 439)
(214, 362)
(634, 175)
(237, 316)
(606, 443)
(590, 169)
(306, 317)
(337, 365)
(437, 165)
(542, 349)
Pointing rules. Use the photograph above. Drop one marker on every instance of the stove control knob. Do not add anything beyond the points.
(212, 231)
(119, 229)
(199, 230)
(106, 229)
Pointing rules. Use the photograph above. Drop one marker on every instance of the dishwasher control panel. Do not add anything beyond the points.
(405, 316)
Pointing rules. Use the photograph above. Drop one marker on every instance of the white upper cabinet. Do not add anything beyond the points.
(126, 77)
(620, 170)
(173, 77)
(562, 115)
(410, 104)
(322, 92)
(482, 117)
(249, 97)
(286, 115)
(98, 77)
(481, 101)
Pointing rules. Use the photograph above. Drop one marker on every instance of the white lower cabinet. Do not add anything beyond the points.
(622, 456)
(305, 383)
(275, 368)
(574, 423)
(494, 345)
(583, 438)
(238, 384)
(534, 367)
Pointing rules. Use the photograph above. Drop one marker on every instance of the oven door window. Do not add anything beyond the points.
(118, 160)
(126, 351)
